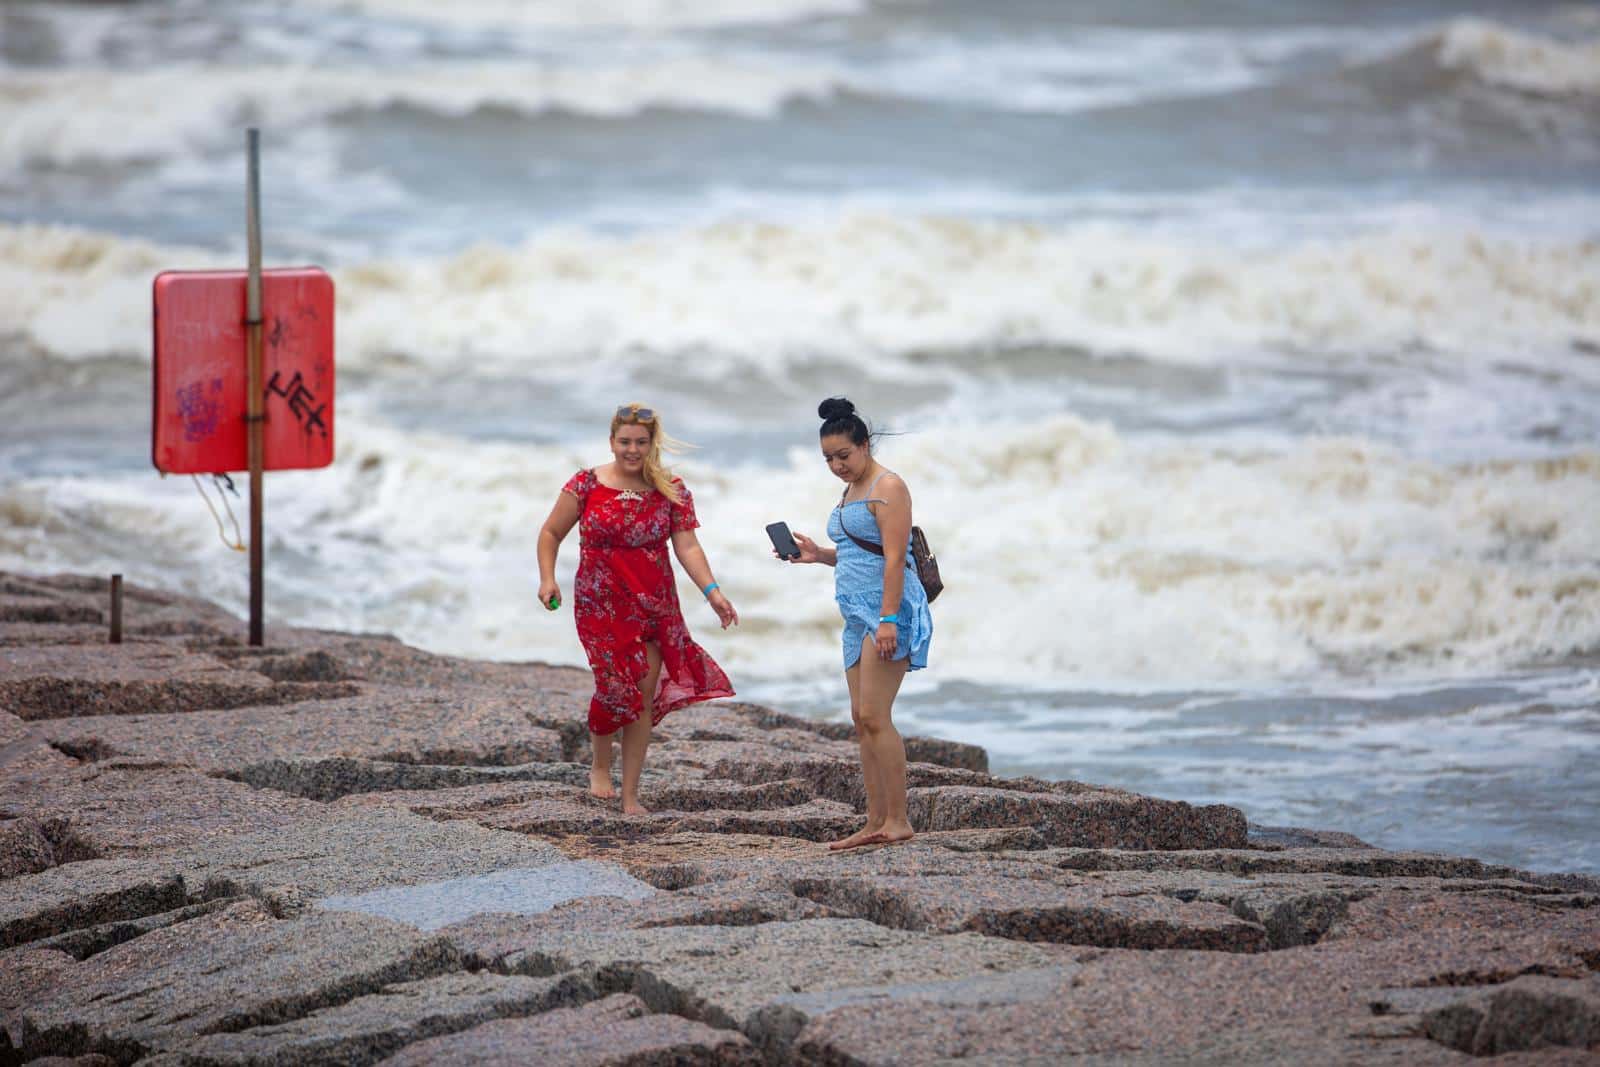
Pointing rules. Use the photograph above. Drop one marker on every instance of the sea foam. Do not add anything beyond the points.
(1503, 56)
(87, 114)
(759, 294)
(604, 14)
(1074, 555)
(67, 118)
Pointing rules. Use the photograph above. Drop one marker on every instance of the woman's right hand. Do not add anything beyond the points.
(549, 588)
(809, 553)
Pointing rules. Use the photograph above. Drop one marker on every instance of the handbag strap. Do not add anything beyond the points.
(876, 550)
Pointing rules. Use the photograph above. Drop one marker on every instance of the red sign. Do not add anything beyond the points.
(201, 370)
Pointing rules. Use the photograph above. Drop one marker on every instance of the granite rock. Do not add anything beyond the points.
(94, 893)
(1122, 1006)
(231, 970)
(87, 941)
(1526, 1013)
(287, 867)
(1096, 819)
(368, 1028)
(1300, 909)
(1029, 921)
(724, 795)
(681, 860)
(552, 809)
(392, 725)
(487, 938)
(1365, 861)
(25, 847)
(131, 679)
(12, 729)
(341, 776)
(699, 861)
(731, 977)
(615, 1032)
(78, 606)
(125, 807)
(1030, 910)
(1276, 837)
(834, 771)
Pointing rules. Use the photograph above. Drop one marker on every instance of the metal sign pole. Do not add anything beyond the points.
(253, 407)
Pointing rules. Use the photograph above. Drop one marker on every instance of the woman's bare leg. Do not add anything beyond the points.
(636, 735)
(600, 769)
(880, 684)
(869, 765)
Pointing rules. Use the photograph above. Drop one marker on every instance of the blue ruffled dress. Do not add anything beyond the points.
(858, 587)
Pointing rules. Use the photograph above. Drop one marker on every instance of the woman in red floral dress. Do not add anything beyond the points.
(645, 663)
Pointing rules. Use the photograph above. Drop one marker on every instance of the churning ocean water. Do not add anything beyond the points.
(1245, 356)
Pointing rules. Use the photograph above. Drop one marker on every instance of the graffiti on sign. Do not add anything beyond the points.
(302, 402)
(200, 408)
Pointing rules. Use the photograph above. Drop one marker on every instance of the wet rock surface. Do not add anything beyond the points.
(338, 849)
(514, 891)
(288, 867)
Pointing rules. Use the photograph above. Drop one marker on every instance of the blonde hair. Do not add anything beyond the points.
(657, 473)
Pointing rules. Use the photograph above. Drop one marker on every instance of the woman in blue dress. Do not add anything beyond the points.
(887, 625)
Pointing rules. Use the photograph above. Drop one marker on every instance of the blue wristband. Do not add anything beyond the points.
(706, 592)
(889, 618)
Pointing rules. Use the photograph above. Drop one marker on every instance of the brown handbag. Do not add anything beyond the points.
(923, 563)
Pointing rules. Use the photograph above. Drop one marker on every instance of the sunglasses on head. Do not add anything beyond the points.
(629, 411)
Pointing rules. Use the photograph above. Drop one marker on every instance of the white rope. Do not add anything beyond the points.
(238, 538)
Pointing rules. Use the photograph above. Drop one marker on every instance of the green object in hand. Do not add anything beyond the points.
(554, 602)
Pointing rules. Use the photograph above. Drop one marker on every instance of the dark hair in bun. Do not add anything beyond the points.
(838, 416)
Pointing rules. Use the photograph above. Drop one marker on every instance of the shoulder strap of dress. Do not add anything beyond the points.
(869, 498)
(876, 499)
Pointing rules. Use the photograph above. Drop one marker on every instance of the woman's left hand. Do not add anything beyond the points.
(724, 609)
(888, 637)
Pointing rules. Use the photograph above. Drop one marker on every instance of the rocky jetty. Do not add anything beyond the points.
(338, 849)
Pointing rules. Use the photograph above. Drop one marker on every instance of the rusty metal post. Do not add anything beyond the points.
(253, 408)
(116, 609)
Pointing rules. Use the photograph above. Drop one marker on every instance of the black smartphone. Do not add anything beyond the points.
(783, 540)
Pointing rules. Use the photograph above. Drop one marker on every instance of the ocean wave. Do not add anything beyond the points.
(85, 117)
(70, 118)
(1201, 560)
(78, 294)
(1511, 59)
(603, 14)
(1119, 561)
(1097, 67)
(65, 118)
(734, 296)
(1101, 68)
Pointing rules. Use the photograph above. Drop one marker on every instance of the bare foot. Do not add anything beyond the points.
(600, 786)
(634, 808)
(891, 836)
(854, 840)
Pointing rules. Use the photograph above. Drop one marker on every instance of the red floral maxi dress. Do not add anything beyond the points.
(625, 596)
